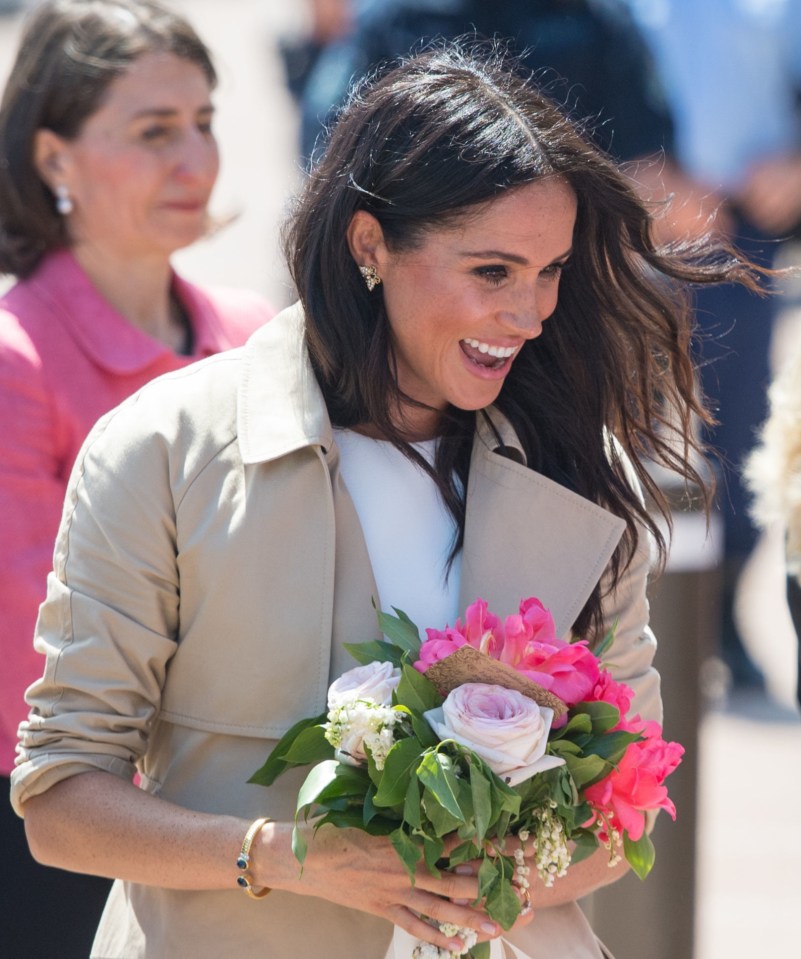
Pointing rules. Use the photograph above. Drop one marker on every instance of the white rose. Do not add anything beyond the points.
(375, 681)
(506, 729)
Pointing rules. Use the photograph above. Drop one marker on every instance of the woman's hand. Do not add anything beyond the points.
(354, 869)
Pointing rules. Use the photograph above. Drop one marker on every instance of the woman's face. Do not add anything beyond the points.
(462, 304)
(142, 168)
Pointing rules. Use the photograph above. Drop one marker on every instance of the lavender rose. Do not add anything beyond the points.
(506, 729)
(375, 681)
(360, 716)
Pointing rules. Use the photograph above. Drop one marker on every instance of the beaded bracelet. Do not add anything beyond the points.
(244, 879)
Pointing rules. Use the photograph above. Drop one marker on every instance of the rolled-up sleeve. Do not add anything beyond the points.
(109, 623)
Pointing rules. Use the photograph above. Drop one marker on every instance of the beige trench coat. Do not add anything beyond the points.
(208, 568)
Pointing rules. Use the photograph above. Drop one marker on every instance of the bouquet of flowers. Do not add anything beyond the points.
(519, 743)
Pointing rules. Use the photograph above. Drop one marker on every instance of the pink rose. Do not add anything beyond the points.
(637, 784)
(506, 729)
(375, 682)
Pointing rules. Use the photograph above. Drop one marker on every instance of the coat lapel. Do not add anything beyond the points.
(528, 536)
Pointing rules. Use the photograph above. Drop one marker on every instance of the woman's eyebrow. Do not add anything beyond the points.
(509, 257)
(165, 112)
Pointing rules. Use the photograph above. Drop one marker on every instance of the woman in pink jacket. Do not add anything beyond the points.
(109, 160)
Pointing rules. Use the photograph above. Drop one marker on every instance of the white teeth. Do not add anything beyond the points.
(499, 352)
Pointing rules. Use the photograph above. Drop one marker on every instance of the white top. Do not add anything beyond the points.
(407, 527)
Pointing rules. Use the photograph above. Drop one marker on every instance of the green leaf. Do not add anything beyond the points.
(481, 950)
(411, 804)
(428, 738)
(585, 845)
(400, 631)
(604, 646)
(408, 851)
(604, 716)
(504, 798)
(436, 773)
(374, 651)
(416, 692)
(350, 782)
(586, 769)
(561, 747)
(612, 746)
(482, 800)
(310, 746)
(401, 763)
(580, 723)
(433, 848)
(369, 810)
(298, 844)
(488, 876)
(464, 852)
(640, 855)
(352, 818)
(276, 763)
(442, 822)
(320, 776)
(502, 903)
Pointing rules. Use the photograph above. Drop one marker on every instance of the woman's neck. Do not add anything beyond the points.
(139, 290)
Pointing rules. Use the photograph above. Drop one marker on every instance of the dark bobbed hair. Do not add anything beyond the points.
(69, 53)
(428, 142)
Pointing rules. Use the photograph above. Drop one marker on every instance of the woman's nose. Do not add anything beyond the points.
(198, 158)
(523, 319)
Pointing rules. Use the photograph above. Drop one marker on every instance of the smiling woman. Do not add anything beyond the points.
(462, 302)
(109, 161)
(462, 404)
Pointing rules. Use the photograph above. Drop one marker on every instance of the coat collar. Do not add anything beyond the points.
(525, 535)
(102, 332)
(280, 407)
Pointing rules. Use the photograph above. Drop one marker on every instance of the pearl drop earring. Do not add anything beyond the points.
(64, 203)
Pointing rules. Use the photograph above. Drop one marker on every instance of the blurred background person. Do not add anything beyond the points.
(773, 476)
(732, 74)
(109, 160)
(588, 56)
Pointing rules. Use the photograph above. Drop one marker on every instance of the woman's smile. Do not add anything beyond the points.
(488, 357)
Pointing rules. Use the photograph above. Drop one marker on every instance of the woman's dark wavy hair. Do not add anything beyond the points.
(69, 53)
(422, 146)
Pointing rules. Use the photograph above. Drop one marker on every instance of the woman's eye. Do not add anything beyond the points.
(155, 133)
(493, 274)
(554, 271)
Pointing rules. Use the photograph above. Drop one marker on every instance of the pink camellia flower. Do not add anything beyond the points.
(439, 645)
(569, 670)
(608, 690)
(532, 624)
(481, 630)
(506, 729)
(636, 785)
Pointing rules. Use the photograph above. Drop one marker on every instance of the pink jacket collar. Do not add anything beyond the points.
(103, 333)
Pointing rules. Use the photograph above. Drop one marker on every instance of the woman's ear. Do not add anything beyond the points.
(50, 157)
(366, 239)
